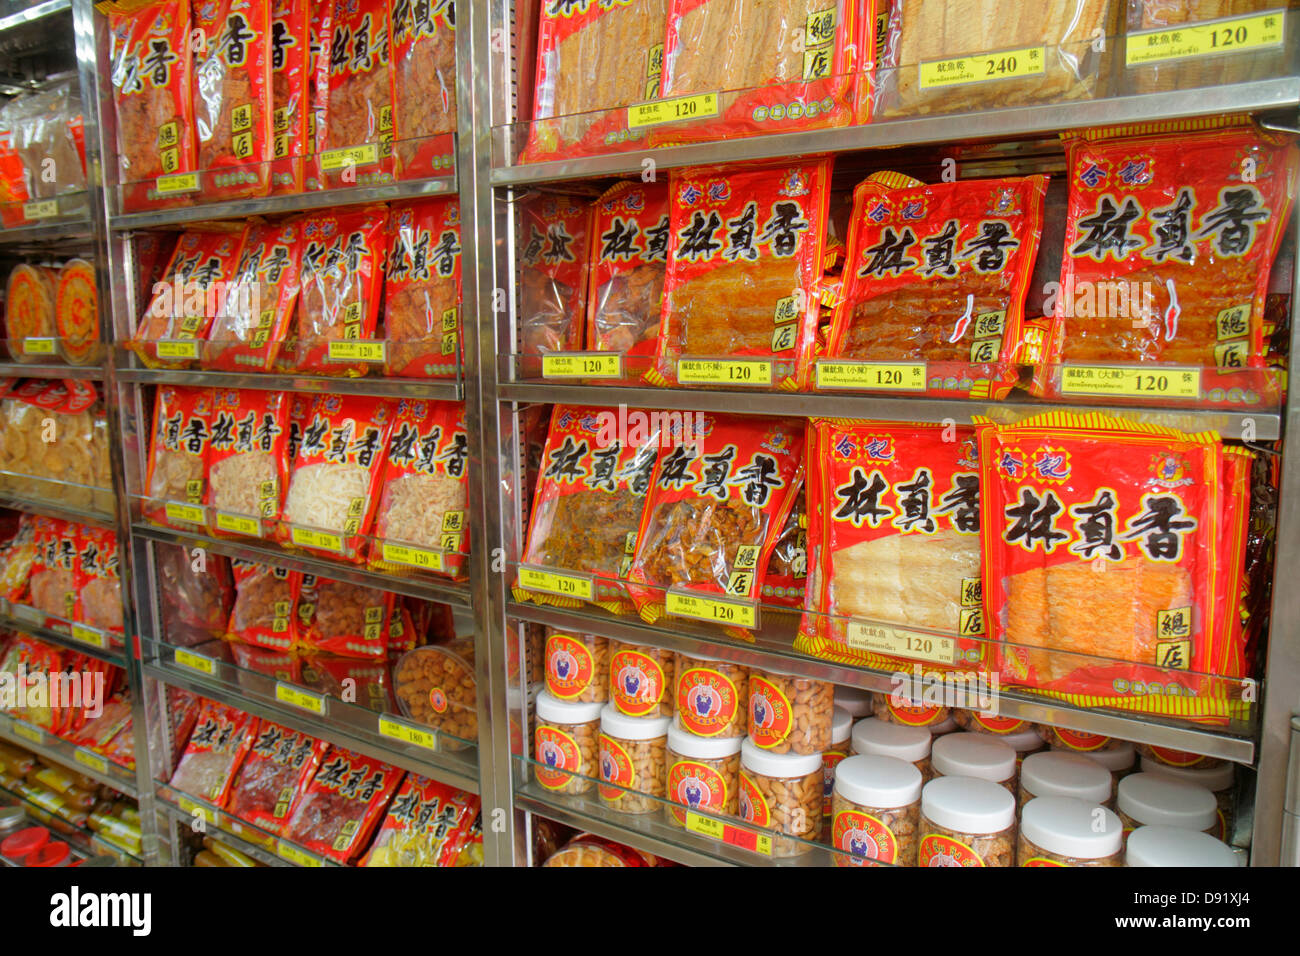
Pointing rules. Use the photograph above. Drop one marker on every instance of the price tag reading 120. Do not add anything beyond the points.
(724, 372)
(582, 365)
(871, 376)
(670, 111)
(1212, 38)
(1132, 381)
(582, 587)
(708, 608)
(900, 643)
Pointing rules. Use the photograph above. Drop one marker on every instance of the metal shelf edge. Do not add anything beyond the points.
(53, 510)
(46, 232)
(249, 849)
(384, 388)
(64, 752)
(108, 656)
(33, 13)
(34, 370)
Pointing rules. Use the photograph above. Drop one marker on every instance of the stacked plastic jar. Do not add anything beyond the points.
(641, 680)
(1119, 758)
(782, 792)
(965, 754)
(711, 696)
(883, 739)
(1154, 799)
(1176, 847)
(876, 811)
(841, 741)
(703, 774)
(577, 666)
(1217, 777)
(633, 760)
(901, 710)
(966, 822)
(1064, 775)
(789, 714)
(1064, 831)
(565, 744)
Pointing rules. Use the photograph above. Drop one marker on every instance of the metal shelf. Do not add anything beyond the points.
(347, 725)
(445, 591)
(988, 124)
(442, 389)
(33, 370)
(167, 801)
(270, 205)
(21, 622)
(78, 228)
(80, 759)
(53, 509)
(775, 650)
(33, 13)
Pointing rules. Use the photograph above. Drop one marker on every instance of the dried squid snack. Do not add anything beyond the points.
(427, 824)
(248, 467)
(340, 808)
(52, 584)
(358, 142)
(423, 68)
(99, 588)
(422, 289)
(178, 456)
(787, 571)
(249, 332)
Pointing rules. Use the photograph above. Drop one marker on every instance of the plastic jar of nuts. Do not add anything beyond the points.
(564, 743)
(1178, 758)
(1062, 738)
(1154, 799)
(1064, 831)
(854, 700)
(841, 738)
(1174, 846)
(876, 810)
(789, 714)
(966, 822)
(964, 754)
(435, 685)
(641, 680)
(1119, 760)
(982, 723)
(883, 739)
(900, 710)
(711, 696)
(781, 792)
(633, 757)
(703, 774)
(1024, 742)
(1056, 774)
(577, 666)
(945, 726)
(1217, 778)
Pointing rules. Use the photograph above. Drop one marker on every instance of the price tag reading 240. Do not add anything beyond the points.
(1004, 65)
(708, 608)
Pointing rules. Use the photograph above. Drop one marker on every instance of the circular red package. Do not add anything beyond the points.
(51, 854)
(23, 842)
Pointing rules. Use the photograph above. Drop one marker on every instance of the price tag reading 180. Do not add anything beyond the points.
(1132, 381)
(1005, 65)
(871, 376)
(707, 608)
(670, 111)
(1211, 38)
(745, 372)
(582, 587)
(582, 365)
(397, 730)
(900, 643)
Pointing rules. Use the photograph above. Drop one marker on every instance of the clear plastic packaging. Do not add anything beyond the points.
(966, 822)
(1064, 831)
(436, 686)
(781, 792)
(641, 679)
(876, 811)
(565, 744)
(703, 774)
(712, 696)
(790, 714)
(577, 666)
(841, 737)
(633, 756)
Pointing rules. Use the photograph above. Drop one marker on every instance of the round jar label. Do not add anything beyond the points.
(1041, 861)
(569, 666)
(862, 835)
(753, 806)
(556, 751)
(1077, 740)
(615, 767)
(636, 682)
(936, 849)
(913, 715)
(830, 760)
(770, 719)
(707, 701)
(998, 725)
(696, 786)
(438, 700)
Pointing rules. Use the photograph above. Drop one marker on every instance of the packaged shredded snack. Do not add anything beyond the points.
(358, 146)
(248, 469)
(74, 469)
(336, 617)
(52, 584)
(248, 333)
(789, 63)
(422, 289)
(152, 98)
(1100, 538)
(264, 613)
(178, 456)
(427, 824)
(590, 496)
(18, 558)
(899, 545)
(1232, 65)
(424, 87)
(1046, 53)
(48, 125)
(194, 292)
(277, 767)
(232, 101)
(221, 738)
(938, 274)
(99, 589)
(153, 253)
(290, 93)
(628, 260)
(556, 237)
(29, 312)
(320, 31)
(300, 407)
(592, 61)
(13, 192)
(36, 660)
(714, 510)
(1168, 247)
(333, 488)
(195, 601)
(342, 805)
(76, 311)
(421, 520)
(342, 270)
(744, 262)
(787, 570)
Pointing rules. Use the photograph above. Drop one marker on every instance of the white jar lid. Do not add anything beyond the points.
(553, 710)
(1064, 826)
(885, 783)
(945, 726)
(968, 805)
(853, 699)
(1021, 741)
(1116, 759)
(973, 755)
(783, 766)
(686, 744)
(618, 724)
(1174, 846)
(1065, 775)
(1157, 800)
(841, 725)
(875, 736)
(1211, 778)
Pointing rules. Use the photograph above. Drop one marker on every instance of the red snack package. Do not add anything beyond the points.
(424, 87)
(277, 768)
(427, 824)
(221, 737)
(13, 185)
(342, 805)
(714, 510)
(341, 618)
(52, 584)
(263, 614)
(320, 29)
(787, 571)
(364, 683)
(248, 468)
(342, 271)
(628, 260)
(358, 147)
(1101, 573)
(554, 265)
(333, 488)
(153, 253)
(744, 264)
(300, 407)
(278, 665)
(99, 589)
(195, 292)
(290, 93)
(178, 456)
(232, 101)
(422, 289)
(31, 662)
(248, 333)
(402, 635)
(420, 522)
(936, 276)
(153, 100)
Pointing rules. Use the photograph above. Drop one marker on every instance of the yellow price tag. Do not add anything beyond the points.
(396, 730)
(238, 524)
(1005, 65)
(178, 183)
(297, 697)
(582, 365)
(92, 760)
(704, 826)
(29, 733)
(724, 372)
(1132, 381)
(736, 613)
(195, 809)
(89, 635)
(41, 209)
(900, 643)
(40, 346)
(175, 511)
(195, 662)
(555, 582)
(310, 538)
(871, 376)
(356, 351)
(414, 557)
(1211, 38)
(670, 111)
(287, 851)
(366, 155)
(178, 349)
